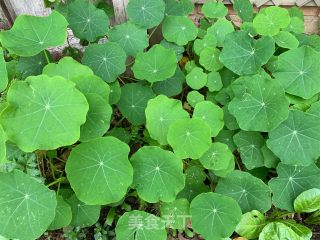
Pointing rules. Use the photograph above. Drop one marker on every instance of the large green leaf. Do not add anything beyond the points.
(158, 174)
(189, 138)
(251, 224)
(291, 181)
(133, 102)
(3, 72)
(297, 140)
(139, 225)
(244, 55)
(308, 201)
(214, 216)
(86, 21)
(63, 215)
(210, 113)
(146, 13)
(44, 113)
(298, 71)
(68, 68)
(25, 204)
(161, 112)
(99, 170)
(250, 192)
(130, 37)
(30, 34)
(249, 145)
(260, 103)
(179, 29)
(157, 64)
(107, 60)
(270, 20)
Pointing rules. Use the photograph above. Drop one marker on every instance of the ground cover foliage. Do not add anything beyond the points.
(211, 132)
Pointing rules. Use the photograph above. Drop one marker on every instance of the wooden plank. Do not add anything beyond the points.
(4, 22)
(18, 7)
(120, 13)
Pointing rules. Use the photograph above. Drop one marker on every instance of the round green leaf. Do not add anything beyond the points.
(196, 79)
(178, 8)
(298, 71)
(115, 92)
(244, 9)
(176, 213)
(179, 50)
(250, 192)
(218, 157)
(259, 104)
(249, 145)
(251, 224)
(99, 171)
(291, 181)
(270, 20)
(308, 201)
(133, 102)
(171, 86)
(226, 136)
(189, 138)
(244, 55)
(158, 64)
(83, 215)
(63, 215)
(107, 60)
(214, 10)
(179, 29)
(68, 68)
(98, 118)
(214, 216)
(220, 29)
(229, 120)
(139, 225)
(158, 174)
(86, 21)
(161, 112)
(194, 97)
(130, 37)
(302, 231)
(208, 41)
(31, 66)
(297, 140)
(214, 82)
(270, 160)
(25, 204)
(209, 59)
(277, 230)
(286, 40)
(44, 113)
(3, 72)
(146, 13)
(30, 34)
(211, 114)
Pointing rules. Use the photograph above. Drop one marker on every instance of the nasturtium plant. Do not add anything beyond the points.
(164, 125)
(99, 171)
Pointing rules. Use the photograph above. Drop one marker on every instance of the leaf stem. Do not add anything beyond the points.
(46, 55)
(153, 31)
(59, 180)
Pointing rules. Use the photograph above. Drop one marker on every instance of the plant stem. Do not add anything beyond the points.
(46, 55)
(59, 180)
(153, 31)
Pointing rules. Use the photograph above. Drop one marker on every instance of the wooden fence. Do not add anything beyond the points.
(10, 9)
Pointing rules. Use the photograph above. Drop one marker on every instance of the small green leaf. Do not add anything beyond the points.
(220, 29)
(146, 13)
(139, 225)
(270, 20)
(30, 34)
(209, 59)
(211, 114)
(251, 224)
(194, 97)
(107, 60)
(214, 82)
(3, 72)
(291, 181)
(83, 215)
(250, 192)
(130, 37)
(133, 102)
(161, 113)
(214, 10)
(302, 231)
(208, 41)
(31, 66)
(158, 174)
(26, 204)
(277, 230)
(179, 29)
(115, 92)
(226, 136)
(244, 55)
(189, 138)
(178, 8)
(286, 40)
(157, 64)
(86, 21)
(63, 215)
(44, 113)
(308, 201)
(244, 9)
(99, 171)
(214, 216)
(196, 79)
(179, 50)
